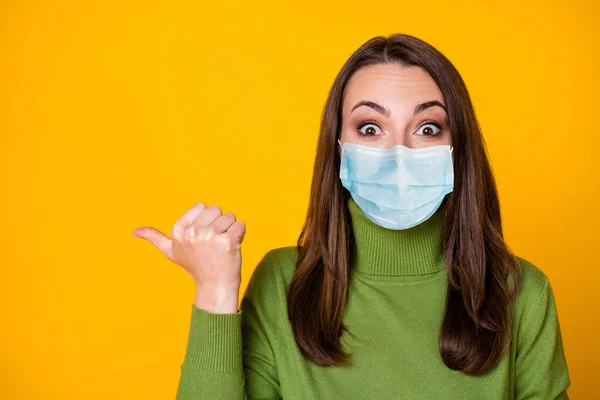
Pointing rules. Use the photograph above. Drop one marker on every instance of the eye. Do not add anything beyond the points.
(371, 128)
(429, 129)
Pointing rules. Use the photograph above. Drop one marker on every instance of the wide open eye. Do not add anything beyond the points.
(429, 129)
(370, 128)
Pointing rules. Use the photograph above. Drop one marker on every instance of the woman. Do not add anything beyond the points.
(401, 285)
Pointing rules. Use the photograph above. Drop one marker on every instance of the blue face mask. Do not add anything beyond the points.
(397, 187)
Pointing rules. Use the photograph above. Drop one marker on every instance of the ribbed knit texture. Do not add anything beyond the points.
(208, 335)
(382, 251)
(394, 311)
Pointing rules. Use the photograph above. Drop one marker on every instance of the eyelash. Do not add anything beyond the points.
(371, 122)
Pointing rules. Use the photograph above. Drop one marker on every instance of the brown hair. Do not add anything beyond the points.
(483, 274)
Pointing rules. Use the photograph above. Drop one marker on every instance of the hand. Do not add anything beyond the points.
(207, 244)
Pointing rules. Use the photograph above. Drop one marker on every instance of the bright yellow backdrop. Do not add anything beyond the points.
(118, 114)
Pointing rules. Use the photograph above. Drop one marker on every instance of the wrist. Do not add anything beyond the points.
(217, 300)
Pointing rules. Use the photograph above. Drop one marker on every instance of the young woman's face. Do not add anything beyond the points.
(402, 105)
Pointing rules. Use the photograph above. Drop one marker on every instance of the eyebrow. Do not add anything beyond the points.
(386, 111)
(423, 106)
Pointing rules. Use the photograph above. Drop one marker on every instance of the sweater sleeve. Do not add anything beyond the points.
(541, 367)
(228, 356)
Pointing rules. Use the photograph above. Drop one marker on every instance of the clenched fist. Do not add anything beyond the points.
(207, 244)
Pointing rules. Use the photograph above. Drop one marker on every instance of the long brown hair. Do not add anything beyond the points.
(483, 274)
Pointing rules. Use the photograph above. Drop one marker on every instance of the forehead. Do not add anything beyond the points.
(391, 85)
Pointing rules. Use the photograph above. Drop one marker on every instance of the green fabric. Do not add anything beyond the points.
(394, 312)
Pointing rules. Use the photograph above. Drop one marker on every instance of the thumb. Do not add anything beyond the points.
(156, 237)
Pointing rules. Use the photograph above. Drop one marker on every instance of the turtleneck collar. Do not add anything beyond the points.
(381, 251)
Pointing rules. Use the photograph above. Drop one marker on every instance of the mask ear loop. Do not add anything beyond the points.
(340, 142)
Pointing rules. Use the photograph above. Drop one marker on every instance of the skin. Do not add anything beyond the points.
(398, 89)
(207, 244)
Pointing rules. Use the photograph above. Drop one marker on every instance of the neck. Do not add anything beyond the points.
(381, 251)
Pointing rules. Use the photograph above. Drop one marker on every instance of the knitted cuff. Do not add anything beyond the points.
(214, 341)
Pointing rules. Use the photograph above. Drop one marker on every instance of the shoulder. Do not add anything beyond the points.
(533, 292)
(270, 278)
(275, 267)
(265, 296)
(533, 279)
(283, 258)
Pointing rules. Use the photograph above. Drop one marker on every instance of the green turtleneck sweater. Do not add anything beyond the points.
(394, 312)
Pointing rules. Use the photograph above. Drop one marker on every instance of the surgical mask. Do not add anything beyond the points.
(397, 187)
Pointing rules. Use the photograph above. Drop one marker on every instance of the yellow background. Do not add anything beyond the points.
(120, 114)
